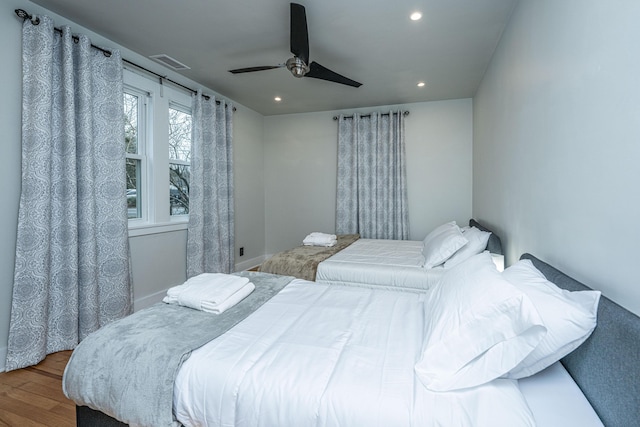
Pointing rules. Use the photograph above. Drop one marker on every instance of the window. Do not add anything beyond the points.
(133, 122)
(158, 140)
(179, 158)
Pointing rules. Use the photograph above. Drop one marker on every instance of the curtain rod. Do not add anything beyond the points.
(404, 113)
(24, 16)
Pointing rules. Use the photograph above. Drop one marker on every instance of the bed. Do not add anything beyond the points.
(392, 263)
(379, 343)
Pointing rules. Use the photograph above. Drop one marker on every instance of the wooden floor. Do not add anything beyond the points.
(33, 396)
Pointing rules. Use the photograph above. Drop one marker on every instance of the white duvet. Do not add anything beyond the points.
(387, 263)
(320, 355)
(399, 253)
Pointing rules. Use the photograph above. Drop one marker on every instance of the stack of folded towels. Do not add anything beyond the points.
(320, 239)
(210, 292)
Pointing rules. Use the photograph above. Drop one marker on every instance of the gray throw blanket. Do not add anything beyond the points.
(127, 368)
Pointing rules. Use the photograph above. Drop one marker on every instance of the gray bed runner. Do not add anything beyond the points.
(302, 261)
(127, 368)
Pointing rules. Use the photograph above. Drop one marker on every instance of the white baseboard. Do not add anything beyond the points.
(3, 358)
(148, 300)
(156, 297)
(250, 263)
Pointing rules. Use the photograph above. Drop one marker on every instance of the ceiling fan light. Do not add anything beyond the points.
(297, 71)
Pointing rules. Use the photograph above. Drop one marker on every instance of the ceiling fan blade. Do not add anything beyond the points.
(299, 34)
(317, 71)
(252, 69)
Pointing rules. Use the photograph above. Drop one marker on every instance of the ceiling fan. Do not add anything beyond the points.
(299, 64)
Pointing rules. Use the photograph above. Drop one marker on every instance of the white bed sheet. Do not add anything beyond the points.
(331, 355)
(556, 400)
(379, 262)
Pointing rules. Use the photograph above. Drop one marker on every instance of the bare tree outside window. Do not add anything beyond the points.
(179, 161)
(133, 167)
(131, 123)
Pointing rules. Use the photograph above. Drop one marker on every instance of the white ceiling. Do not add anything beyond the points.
(373, 42)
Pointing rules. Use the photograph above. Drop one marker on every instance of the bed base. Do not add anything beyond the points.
(87, 417)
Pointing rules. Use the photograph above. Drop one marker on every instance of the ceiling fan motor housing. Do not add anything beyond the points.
(297, 66)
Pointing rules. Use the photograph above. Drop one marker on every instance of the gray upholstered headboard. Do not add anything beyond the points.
(494, 245)
(607, 366)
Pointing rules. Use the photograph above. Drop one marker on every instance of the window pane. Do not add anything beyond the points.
(179, 189)
(131, 122)
(134, 204)
(179, 135)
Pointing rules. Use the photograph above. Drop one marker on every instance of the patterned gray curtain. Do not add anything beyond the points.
(72, 267)
(211, 234)
(372, 183)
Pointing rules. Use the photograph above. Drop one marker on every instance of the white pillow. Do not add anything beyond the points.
(441, 243)
(477, 243)
(570, 317)
(478, 327)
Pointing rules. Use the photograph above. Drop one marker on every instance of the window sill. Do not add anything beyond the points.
(143, 229)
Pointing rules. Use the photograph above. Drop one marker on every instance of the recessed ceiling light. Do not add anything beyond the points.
(277, 99)
(421, 84)
(416, 16)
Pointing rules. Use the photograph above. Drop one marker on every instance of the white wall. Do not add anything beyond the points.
(248, 163)
(158, 260)
(557, 141)
(300, 152)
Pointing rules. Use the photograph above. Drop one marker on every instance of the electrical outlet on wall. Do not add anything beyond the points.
(242, 251)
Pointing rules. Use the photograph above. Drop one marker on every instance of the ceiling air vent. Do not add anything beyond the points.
(169, 62)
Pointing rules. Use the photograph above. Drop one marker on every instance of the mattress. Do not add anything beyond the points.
(385, 263)
(331, 355)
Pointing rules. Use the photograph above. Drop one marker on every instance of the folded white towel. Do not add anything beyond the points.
(325, 244)
(322, 235)
(207, 288)
(229, 302)
(320, 239)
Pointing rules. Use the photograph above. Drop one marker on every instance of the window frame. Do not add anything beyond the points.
(156, 217)
(141, 155)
